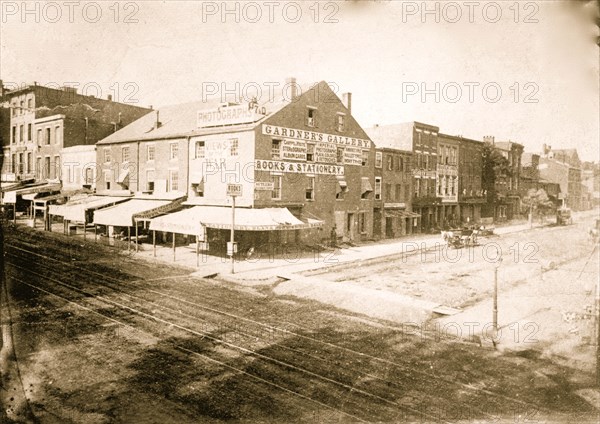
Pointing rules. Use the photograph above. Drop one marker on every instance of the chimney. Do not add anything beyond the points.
(347, 100)
(157, 123)
(119, 121)
(489, 139)
(109, 97)
(290, 87)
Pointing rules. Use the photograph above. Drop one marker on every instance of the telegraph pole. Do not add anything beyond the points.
(232, 234)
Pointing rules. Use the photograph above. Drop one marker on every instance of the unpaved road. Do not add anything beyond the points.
(102, 338)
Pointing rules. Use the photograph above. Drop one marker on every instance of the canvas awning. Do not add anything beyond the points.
(123, 175)
(75, 211)
(190, 220)
(42, 188)
(400, 214)
(122, 215)
(365, 185)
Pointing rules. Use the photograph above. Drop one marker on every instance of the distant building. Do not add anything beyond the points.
(566, 176)
(508, 186)
(422, 140)
(78, 167)
(45, 120)
(392, 214)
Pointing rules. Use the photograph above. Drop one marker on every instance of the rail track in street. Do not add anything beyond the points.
(318, 366)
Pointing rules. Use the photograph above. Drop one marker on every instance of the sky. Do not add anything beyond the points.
(522, 71)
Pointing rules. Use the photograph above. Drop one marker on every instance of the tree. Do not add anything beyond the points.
(537, 201)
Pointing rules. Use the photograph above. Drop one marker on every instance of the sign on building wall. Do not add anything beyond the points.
(284, 132)
(229, 115)
(325, 152)
(293, 149)
(352, 156)
(264, 185)
(298, 168)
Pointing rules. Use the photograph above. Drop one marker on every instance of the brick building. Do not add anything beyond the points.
(422, 140)
(566, 176)
(392, 214)
(508, 186)
(304, 157)
(44, 120)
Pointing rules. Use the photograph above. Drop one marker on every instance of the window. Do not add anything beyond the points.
(107, 179)
(377, 188)
(199, 150)
(56, 173)
(417, 186)
(388, 191)
(14, 163)
(233, 147)
(57, 138)
(48, 136)
(22, 108)
(29, 133)
(21, 163)
(30, 104)
(173, 151)
(365, 158)
(107, 155)
(40, 137)
(173, 180)
(89, 176)
(311, 117)
(14, 134)
(38, 167)
(150, 152)
(378, 159)
(362, 228)
(310, 152)
(390, 162)
(275, 149)
(398, 192)
(150, 180)
(276, 193)
(341, 121)
(21, 138)
(426, 162)
(125, 154)
(29, 163)
(340, 155)
(310, 189)
(46, 173)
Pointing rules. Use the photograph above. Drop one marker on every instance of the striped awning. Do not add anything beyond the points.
(190, 220)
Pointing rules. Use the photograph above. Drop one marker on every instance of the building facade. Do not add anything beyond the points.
(306, 154)
(45, 120)
(566, 176)
(508, 186)
(392, 214)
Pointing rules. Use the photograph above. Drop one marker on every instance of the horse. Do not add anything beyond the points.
(593, 235)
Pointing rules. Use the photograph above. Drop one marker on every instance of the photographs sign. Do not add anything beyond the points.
(293, 149)
(352, 156)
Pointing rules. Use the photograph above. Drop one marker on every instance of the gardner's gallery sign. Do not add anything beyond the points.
(229, 115)
(298, 168)
(283, 132)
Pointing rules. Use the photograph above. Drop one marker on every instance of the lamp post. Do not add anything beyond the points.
(233, 190)
(495, 308)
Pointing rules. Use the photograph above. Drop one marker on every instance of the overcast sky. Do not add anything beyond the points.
(541, 56)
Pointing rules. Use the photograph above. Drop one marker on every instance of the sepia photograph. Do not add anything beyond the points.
(303, 211)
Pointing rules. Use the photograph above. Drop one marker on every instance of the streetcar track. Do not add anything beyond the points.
(332, 345)
(351, 389)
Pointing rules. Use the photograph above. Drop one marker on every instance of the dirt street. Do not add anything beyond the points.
(99, 337)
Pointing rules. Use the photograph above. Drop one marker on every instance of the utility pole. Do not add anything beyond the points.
(495, 307)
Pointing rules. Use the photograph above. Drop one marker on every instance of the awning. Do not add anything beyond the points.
(400, 214)
(182, 222)
(190, 220)
(365, 185)
(75, 211)
(123, 175)
(160, 210)
(10, 186)
(122, 215)
(43, 188)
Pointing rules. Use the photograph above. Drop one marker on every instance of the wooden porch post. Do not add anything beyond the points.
(197, 251)
(173, 247)
(128, 238)
(95, 232)
(85, 227)
(136, 236)
(154, 242)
